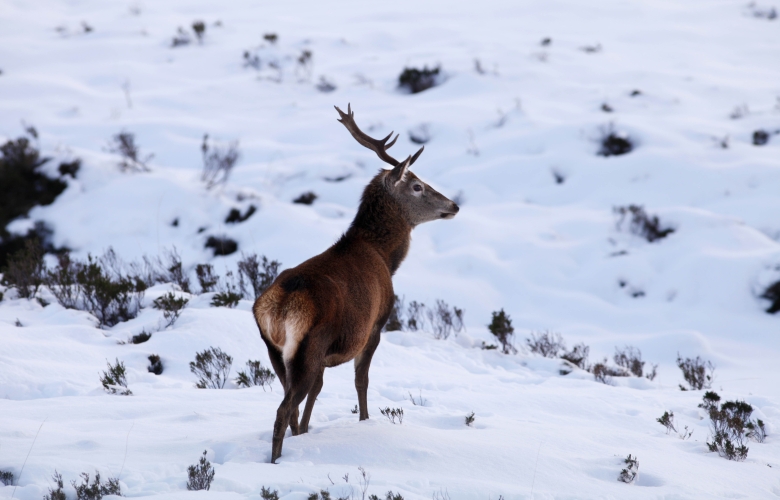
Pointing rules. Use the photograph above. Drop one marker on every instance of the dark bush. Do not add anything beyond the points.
(235, 216)
(221, 245)
(259, 274)
(628, 474)
(155, 364)
(230, 292)
(696, 372)
(271, 37)
(168, 269)
(96, 490)
(306, 198)
(393, 413)
(614, 143)
(125, 146)
(710, 401)
(106, 293)
(772, 294)
(641, 224)
(760, 137)
(388, 496)
(114, 382)
(6, 477)
(25, 270)
(256, 374)
(630, 359)
(218, 162)
(268, 494)
(578, 356)
(212, 368)
(730, 426)
(199, 28)
(501, 327)
(206, 277)
(140, 338)
(444, 320)
(667, 420)
(415, 319)
(415, 80)
(325, 85)
(171, 306)
(70, 168)
(56, 494)
(470, 419)
(547, 344)
(199, 477)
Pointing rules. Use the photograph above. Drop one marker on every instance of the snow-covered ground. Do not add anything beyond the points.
(548, 253)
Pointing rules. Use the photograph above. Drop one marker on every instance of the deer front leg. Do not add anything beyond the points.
(362, 364)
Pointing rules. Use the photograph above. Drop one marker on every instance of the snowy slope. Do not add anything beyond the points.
(548, 253)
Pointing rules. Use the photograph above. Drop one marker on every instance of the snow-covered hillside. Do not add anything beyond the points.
(526, 93)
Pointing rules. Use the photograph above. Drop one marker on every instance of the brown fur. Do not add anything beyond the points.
(331, 308)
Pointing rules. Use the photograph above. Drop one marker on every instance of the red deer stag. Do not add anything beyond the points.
(331, 308)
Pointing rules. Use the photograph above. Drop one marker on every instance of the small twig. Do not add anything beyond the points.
(533, 482)
(127, 440)
(28, 456)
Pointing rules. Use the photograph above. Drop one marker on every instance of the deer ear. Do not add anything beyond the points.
(398, 174)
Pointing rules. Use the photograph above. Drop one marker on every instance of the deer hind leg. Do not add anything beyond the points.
(310, 399)
(362, 364)
(301, 375)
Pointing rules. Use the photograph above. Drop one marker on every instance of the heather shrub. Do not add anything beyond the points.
(155, 364)
(393, 414)
(547, 344)
(696, 373)
(629, 473)
(444, 320)
(221, 245)
(171, 306)
(259, 273)
(56, 493)
(206, 277)
(235, 216)
(256, 374)
(613, 143)
(200, 476)
(415, 80)
(772, 294)
(641, 224)
(501, 328)
(96, 489)
(115, 382)
(630, 358)
(25, 270)
(6, 477)
(306, 198)
(212, 368)
(131, 159)
(218, 162)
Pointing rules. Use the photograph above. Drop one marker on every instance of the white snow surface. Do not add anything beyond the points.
(548, 253)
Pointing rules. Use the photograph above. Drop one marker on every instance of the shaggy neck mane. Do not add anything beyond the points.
(380, 222)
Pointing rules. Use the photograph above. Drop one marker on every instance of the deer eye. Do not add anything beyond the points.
(417, 188)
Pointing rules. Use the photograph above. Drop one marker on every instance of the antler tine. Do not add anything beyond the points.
(416, 155)
(376, 145)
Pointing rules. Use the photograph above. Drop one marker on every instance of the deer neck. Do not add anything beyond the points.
(380, 222)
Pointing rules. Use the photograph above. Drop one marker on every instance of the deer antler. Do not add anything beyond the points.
(378, 146)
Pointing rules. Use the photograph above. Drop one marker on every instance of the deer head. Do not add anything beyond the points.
(419, 201)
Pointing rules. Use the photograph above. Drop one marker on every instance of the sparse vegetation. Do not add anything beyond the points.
(70, 168)
(501, 328)
(6, 477)
(760, 137)
(200, 476)
(221, 245)
(114, 381)
(730, 427)
(171, 306)
(230, 292)
(578, 356)
(629, 473)
(140, 338)
(218, 162)
(470, 419)
(155, 364)
(630, 358)
(235, 216)
(388, 496)
(206, 277)
(181, 38)
(259, 273)
(306, 198)
(772, 294)
(268, 494)
(393, 413)
(97, 489)
(641, 224)
(25, 270)
(613, 143)
(444, 320)
(603, 373)
(199, 28)
(547, 344)
(256, 374)
(696, 373)
(125, 146)
(56, 493)
(212, 368)
(667, 420)
(415, 80)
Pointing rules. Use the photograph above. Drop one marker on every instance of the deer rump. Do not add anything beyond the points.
(324, 311)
